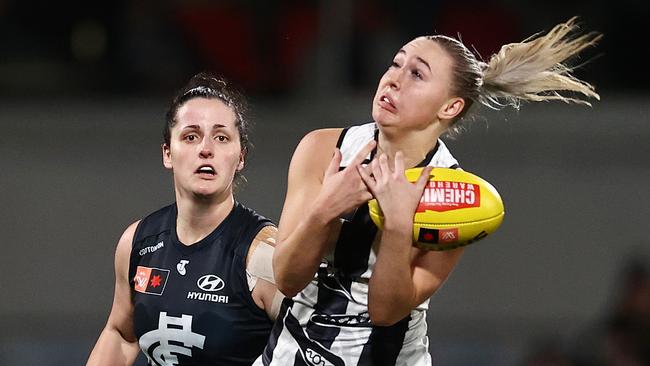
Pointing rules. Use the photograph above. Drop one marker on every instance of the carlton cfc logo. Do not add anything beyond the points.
(210, 283)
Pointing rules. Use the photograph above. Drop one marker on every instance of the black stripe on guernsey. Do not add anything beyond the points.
(267, 356)
(455, 166)
(355, 240)
(384, 344)
(429, 156)
(299, 361)
(339, 142)
(328, 302)
(311, 351)
(374, 151)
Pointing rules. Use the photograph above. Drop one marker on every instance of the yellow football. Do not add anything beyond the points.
(457, 208)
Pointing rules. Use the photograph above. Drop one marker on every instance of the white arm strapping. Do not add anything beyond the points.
(260, 265)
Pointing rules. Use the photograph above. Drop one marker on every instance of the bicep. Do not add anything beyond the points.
(305, 177)
(117, 344)
(121, 316)
(431, 269)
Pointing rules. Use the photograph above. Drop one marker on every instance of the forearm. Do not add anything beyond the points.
(298, 256)
(391, 290)
(112, 349)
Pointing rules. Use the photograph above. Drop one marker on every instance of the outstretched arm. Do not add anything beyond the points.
(117, 344)
(317, 195)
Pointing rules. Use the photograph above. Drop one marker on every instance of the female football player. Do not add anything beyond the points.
(194, 284)
(356, 295)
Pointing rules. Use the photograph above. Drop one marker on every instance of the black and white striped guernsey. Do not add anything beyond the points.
(191, 303)
(327, 323)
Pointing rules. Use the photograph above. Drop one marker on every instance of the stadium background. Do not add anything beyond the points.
(83, 91)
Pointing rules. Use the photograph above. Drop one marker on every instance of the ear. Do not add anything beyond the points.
(451, 108)
(166, 156)
(242, 160)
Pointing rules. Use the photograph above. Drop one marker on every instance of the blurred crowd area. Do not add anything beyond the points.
(621, 337)
(282, 47)
(287, 49)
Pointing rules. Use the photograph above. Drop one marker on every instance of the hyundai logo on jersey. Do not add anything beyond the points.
(210, 283)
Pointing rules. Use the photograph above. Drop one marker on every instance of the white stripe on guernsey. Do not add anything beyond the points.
(285, 350)
(415, 355)
(286, 346)
(442, 158)
(415, 351)
(354, 140)
(349, 343)
(372, 258)
(307, 297)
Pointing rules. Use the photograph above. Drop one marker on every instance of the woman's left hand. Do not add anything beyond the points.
(397, 197)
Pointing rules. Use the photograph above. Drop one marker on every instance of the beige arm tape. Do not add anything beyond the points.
(261, 262)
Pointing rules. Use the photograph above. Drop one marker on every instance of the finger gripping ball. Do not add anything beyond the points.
(457, 208)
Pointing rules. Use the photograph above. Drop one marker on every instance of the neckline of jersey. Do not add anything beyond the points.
(421, 164)
(205, 242)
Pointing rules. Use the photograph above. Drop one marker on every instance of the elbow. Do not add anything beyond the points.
(287, 284)
(382, 316)
(287, 289)
(285, 279)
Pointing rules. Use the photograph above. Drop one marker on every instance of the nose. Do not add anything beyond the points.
(206, 149)
(393, 79)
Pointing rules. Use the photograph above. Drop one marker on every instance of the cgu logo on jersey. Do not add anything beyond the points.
(173, 337)
(209, 283)
(150, 280)
(443, 196)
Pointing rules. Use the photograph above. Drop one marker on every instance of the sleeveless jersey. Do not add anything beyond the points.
(327, 323)
(192, 305)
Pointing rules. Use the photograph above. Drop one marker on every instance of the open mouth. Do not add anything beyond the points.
(206, 169)
(386, 103)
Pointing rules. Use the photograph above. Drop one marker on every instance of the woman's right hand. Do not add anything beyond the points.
(344, 190)
(318, 194)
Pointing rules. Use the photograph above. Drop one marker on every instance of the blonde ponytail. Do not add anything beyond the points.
(534, 69)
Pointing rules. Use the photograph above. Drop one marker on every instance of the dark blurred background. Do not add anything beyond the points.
(83, 91)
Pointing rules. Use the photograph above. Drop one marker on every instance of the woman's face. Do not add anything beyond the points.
(205, 150)
(415, 87)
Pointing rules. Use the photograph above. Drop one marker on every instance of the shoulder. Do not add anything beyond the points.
(267, 235)
(252, 227)
(313, 154)
(125, 244)
(155, 223)
(355, 138)
(317, 138)
(248, 217)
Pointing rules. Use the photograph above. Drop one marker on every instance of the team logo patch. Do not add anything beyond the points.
(446, 236)
(438, 236)
(150, 280)
(173, 338)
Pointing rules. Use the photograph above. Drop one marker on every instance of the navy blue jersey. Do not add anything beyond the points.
(192, 305)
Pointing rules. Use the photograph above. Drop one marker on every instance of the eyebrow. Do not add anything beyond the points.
(216, 126)
(417, 57)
